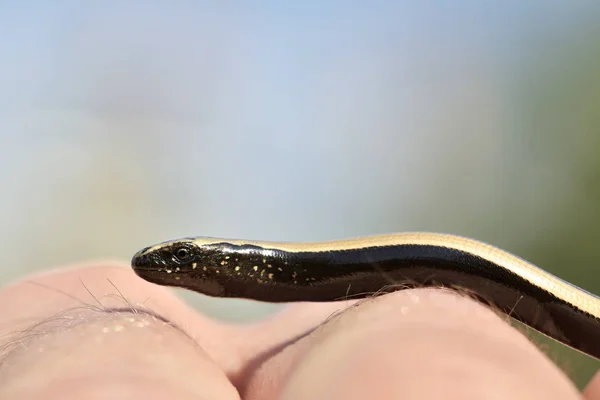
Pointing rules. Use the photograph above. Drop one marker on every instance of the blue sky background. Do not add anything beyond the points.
(122, 125)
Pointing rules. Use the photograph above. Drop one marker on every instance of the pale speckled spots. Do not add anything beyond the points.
(270, 276)
(169, 271)
(262, 272)
(269, 266)
(414, 298)
(294, 274)
(177, 278)
(264, 260)
(194, 265)
(279, 269)
(295, 282)
(142, 323)
(217, 271)
(177, 269)
(223, 262)
(255, 268)
(227, 257)
(237, 268)
(204, 268)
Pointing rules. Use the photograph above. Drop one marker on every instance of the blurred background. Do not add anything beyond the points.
(122, 126)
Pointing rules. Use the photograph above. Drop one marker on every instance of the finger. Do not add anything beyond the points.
(418, 344)
(259, 342)
(101, 331)
(592, 390)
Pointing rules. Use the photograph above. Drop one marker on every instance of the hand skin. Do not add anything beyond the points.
(413, 344)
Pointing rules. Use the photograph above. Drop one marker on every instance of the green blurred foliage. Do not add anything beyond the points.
(563, 135)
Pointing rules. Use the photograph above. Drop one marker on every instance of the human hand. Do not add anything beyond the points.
(57, 341)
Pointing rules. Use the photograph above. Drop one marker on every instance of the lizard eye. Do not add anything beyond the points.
(182, 253)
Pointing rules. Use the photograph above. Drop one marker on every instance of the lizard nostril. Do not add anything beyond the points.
(140, 259)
